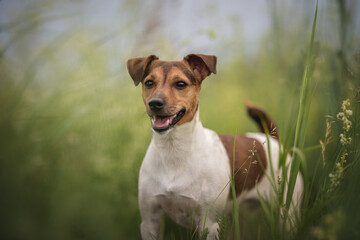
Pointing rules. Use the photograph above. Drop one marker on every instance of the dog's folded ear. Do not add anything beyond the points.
(201, 63)
(137, 67)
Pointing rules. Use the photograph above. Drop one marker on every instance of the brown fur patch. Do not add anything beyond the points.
(165, 74)
(168, 65)
(262, 119)
(250, 161)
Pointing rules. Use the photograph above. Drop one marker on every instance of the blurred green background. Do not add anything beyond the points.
(73, 130)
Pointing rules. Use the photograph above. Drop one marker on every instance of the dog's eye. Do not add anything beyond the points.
(180, 85)
(149, 83)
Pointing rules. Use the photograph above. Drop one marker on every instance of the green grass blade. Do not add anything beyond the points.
(235, 210)
(304, 108)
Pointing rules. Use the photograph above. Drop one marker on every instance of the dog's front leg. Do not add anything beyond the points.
(212, 227)
(209, 222)
(151, 215)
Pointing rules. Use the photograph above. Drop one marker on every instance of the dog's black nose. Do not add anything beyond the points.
(156, 104)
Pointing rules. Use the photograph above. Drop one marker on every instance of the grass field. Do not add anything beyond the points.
(73, 131)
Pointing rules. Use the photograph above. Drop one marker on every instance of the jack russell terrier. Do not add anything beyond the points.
(186, 170)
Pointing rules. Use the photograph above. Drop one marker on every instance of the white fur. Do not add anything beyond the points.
(264, 187)
(185, 174)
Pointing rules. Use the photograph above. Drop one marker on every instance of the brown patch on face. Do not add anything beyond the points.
(250, 161)
(166, 76)
(171, 88)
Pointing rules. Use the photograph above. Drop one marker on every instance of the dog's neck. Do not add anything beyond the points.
(181, 139)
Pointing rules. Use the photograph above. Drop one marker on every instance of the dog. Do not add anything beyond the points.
(187, 168)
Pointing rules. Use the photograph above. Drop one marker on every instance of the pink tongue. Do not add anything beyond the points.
(162, 122)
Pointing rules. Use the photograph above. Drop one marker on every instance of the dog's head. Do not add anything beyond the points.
(170, 89)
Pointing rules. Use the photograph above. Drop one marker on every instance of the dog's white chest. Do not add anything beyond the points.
(181, 209)
(180, 193)
(185, 177)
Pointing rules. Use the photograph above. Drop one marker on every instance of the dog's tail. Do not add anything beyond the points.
(262, 119)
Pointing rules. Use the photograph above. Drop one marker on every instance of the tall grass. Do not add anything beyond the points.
(303, 115)
(281, 212)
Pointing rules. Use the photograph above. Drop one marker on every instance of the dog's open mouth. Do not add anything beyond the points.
(163, 123)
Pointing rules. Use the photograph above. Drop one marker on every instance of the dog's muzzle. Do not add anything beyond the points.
(156, 104)
(161, 120)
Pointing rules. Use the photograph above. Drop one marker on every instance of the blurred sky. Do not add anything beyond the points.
(132, 28)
